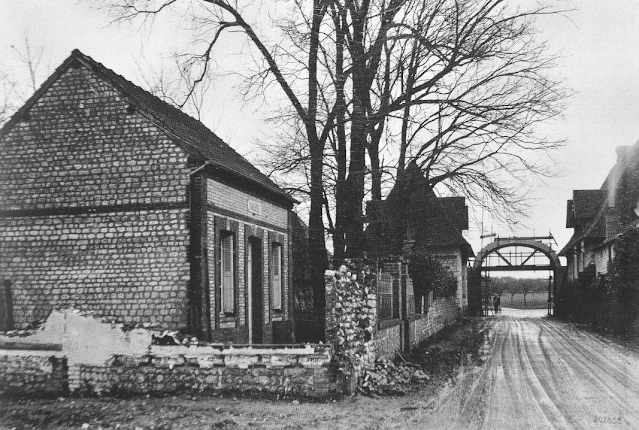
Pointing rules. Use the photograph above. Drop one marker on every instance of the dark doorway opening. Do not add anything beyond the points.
(6, 307)
(255, 288)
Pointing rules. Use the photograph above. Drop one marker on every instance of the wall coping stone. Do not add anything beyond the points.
(32, 353)
(386, 323)
(170, 350)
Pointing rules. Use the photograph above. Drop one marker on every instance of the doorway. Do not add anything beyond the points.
(255, 290)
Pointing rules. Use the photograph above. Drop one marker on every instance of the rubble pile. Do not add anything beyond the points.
(28, 331)
(387, 378)
(172, 337)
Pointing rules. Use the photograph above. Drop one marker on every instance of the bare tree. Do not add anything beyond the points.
(171, 85)
(8, 91)
(456, 85)
(18, 84)
(460, 87)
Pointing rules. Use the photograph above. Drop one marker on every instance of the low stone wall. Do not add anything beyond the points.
(136, 366)
(352, 324)
(295, 370)
(443, 312)
(390, 335)
(388, 339)
(32, 373)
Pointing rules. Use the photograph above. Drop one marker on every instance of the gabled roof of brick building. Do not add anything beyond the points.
(594, 230)
(193, 136)
(588, 210)
(445, 222)
(586, 203)
(456, 208)
(440, 220)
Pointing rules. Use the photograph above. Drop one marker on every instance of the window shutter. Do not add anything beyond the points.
(228, 298)
(277, 277)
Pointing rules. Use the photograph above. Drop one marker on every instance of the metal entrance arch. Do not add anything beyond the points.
(522, 261)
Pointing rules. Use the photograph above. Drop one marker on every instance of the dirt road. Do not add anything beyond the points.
(543, 374)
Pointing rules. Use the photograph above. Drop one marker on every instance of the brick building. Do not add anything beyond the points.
(413, 216)
(599, 216)
(115, 202)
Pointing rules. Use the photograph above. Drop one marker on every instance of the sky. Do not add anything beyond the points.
(599, 60)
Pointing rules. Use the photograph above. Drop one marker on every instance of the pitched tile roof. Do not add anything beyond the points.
(445, 221)
(439, 221)
(586, 203)
(194, 137)
(619, 193)
(595, 229)
(457, 210)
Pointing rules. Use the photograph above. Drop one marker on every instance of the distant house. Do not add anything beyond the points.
(413, 216)
(598, 217)
(115, 202)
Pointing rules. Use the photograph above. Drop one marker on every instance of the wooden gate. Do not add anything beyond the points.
(385, 305)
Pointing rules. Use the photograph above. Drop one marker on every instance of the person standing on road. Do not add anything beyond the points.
(498, 304)
(495, 303)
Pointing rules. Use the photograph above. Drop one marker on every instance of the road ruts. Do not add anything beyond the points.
(540, 373)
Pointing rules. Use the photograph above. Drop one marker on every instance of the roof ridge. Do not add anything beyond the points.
(35, 96)
(76, 52)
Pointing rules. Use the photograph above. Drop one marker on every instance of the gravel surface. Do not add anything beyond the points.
(541, 373)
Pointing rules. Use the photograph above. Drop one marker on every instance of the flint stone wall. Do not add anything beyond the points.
(388, 341)
(295, 370)
(443, 312)
(32, 373)
(352, 323)
(126, 362)
(93, 208)
(351, 314)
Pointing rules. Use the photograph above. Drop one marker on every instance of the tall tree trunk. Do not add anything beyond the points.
(339, 20)
(376, 135)
(410, 82)
(349, 210)
(359, 134)
(317, 242)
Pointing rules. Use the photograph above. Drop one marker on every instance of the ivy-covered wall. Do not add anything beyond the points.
(609, 301)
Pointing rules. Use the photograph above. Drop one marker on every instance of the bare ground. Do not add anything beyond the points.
(440, 358)
(513, 370)
(541, 373)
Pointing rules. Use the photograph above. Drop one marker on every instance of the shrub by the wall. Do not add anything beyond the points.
(608, 301)
(428, 274)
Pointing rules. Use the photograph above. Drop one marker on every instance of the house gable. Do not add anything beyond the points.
(93, 204)
(114, 202)
(599, 216)
(79, 146)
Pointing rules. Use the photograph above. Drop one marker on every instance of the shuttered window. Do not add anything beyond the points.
(226, 260)
(276, 271)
